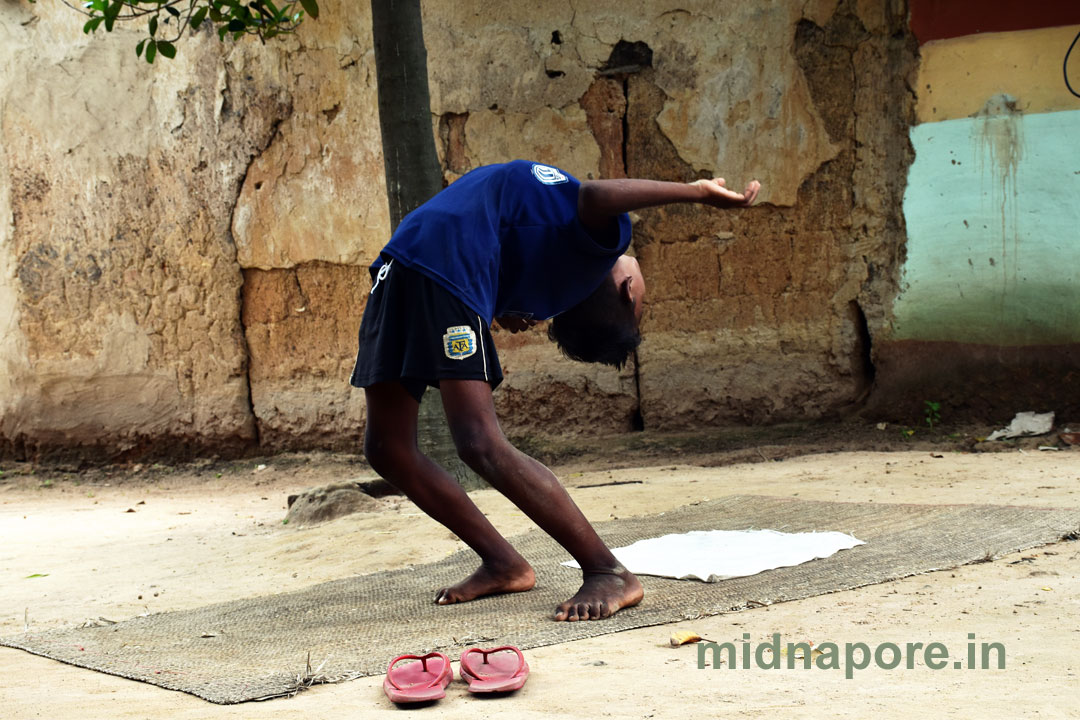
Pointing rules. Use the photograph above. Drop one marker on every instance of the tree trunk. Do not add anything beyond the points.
(413, 174)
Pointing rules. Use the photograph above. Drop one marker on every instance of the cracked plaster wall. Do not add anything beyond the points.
(119, 270)
(187, 246)
(755, 316)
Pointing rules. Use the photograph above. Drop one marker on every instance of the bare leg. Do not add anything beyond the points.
(390, 446)
(607, 586)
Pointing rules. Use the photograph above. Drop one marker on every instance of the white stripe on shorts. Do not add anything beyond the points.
(483, 351)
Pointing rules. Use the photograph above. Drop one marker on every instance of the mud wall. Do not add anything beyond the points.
(183, 251)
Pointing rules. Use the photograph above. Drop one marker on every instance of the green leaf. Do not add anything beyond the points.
(172, 11)
(311, 7)
(221, 32)
(35, 575)
(92, 24)
(139, 48)
(167, 49)
(153, 26)
(198, 17)
(151, 51)
(110, 14)
(236, 25)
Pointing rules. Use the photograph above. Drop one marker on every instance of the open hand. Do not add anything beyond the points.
(515, 324)
(718, 195)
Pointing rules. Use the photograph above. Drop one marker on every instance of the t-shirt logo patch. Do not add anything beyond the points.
(548, 175)
(459, 342)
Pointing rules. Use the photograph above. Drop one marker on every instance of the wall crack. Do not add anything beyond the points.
(271, 135)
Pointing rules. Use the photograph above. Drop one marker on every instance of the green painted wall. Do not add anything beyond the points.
(992, 209)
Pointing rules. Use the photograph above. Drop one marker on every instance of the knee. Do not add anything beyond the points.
(480, 448)
(386, 456)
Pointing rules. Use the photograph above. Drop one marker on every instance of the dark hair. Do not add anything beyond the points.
(599, 329)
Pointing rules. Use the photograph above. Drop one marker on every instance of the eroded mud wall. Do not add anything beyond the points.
(182, 260)
(751, 317)
(769, 314)
(121, 290)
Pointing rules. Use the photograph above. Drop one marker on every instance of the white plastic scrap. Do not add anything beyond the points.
(1025, 424)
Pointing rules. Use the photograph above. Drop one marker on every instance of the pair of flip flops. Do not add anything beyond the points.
(500, 669)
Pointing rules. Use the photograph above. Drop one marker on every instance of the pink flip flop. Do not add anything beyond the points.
(418, 681)
(499, 670)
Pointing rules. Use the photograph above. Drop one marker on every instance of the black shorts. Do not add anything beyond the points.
(416, 332)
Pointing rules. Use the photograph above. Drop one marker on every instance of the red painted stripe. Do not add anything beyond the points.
(939, 19)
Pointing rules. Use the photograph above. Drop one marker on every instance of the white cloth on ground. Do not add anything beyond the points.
(714, 555)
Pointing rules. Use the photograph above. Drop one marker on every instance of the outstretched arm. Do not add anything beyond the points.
(600, 200)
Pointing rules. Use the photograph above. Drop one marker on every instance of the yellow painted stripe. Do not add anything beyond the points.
(959, 75)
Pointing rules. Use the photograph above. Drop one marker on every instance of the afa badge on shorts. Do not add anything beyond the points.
(459, 342)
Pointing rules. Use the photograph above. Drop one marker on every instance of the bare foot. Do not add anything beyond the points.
(602, 595)
(489, 580)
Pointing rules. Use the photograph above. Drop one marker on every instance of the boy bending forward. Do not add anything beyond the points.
(519, 242)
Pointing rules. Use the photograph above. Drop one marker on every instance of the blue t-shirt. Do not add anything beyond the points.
(506, 240)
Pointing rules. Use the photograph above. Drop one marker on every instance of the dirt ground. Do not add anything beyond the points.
(119, 542)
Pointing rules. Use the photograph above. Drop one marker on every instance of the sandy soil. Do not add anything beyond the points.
(205, 534)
